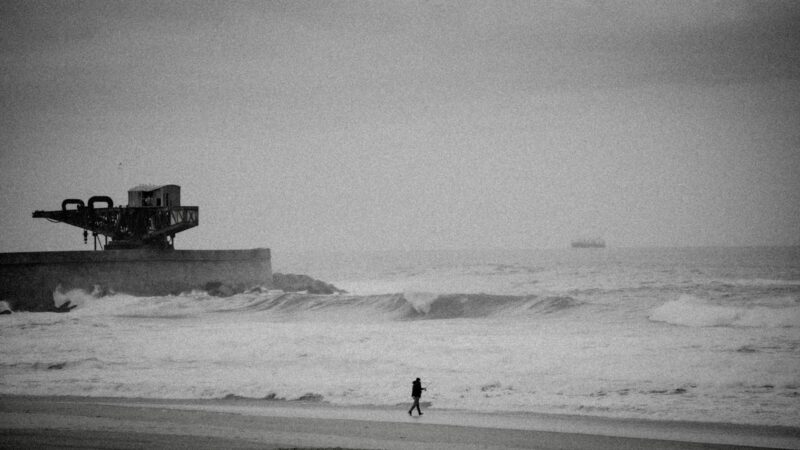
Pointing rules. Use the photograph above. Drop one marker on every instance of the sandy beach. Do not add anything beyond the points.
(84, 422)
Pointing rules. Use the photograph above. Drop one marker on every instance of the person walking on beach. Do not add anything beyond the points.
(416, 393)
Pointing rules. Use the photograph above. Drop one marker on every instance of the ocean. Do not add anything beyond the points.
(706, 334)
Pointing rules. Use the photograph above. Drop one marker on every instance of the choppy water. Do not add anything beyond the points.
(684, 334)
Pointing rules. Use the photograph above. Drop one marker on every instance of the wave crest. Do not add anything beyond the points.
(453, 306)
(413, 306)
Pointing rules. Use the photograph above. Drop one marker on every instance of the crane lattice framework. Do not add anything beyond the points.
(151, 219)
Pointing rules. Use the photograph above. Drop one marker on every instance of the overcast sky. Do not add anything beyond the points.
(408, 125)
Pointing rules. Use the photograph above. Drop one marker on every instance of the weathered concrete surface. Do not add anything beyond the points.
(28, 280)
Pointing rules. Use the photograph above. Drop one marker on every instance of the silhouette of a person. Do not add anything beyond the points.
(416, 393)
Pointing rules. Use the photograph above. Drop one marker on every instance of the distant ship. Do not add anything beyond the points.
(589, 243)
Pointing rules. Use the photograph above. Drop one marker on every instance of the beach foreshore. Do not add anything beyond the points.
(94, 422)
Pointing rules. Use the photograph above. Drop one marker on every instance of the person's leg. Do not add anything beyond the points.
(416, 403)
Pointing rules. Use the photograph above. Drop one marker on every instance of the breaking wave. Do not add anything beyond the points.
(483, 305)
(695, 312)
(303, 306)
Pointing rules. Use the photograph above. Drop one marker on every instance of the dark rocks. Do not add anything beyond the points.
(296, 283)
(65, 307)
(218, 289)
(310, 397)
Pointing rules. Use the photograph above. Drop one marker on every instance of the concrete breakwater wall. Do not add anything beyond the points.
(28, 280)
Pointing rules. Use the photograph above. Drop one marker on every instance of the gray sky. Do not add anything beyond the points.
(408, 125)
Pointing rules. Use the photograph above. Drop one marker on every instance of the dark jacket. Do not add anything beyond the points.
(416, 388)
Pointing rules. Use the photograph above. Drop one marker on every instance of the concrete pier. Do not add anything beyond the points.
(28, 280)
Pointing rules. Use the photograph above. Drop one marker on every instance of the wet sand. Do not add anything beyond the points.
(119, 423)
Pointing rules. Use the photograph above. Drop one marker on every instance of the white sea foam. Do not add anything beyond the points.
(695, 312)
(76, 297)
